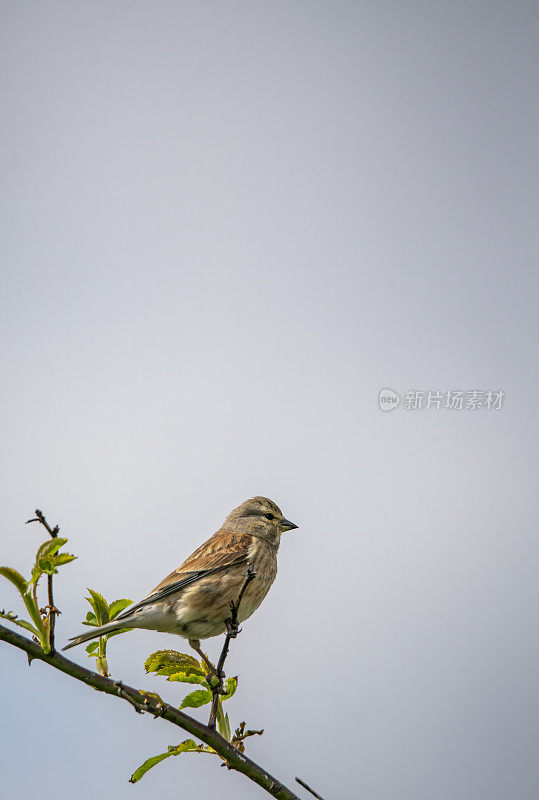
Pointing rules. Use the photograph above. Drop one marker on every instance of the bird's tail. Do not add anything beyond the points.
(94, 633)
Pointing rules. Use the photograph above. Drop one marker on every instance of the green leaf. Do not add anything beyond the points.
(41, 625)
(63, 558)
(49, 548)
(91, 619)
(204, 667)
(170, 662)
(100, 607)
(34, 613)
(117, 606)
(230, 687)
(48, 557)
(153, 695)
(22, 623)
(185, 677)
(184, 747)
(15, 578)
(196, 699)
(102, 666)
(92, 648)
(36, 574)
(46, 565)
(223, 723)
(148, 764)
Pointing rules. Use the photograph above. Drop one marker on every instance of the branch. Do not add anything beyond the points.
(232, 632)
(151, 703)
(53, 532)
(40, 517)
(306, 786)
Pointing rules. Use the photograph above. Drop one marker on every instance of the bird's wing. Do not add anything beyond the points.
(222, 550)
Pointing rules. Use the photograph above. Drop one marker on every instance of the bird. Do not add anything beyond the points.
(194, 601)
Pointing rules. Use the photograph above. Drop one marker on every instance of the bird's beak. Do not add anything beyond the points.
(286, 525)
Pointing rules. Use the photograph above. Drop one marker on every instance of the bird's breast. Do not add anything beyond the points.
(201, 610)
(263, 560)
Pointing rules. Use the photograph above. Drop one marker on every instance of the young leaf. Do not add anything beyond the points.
(43, 632)
(226, 733)
(223, 723)
(49, 548)
(148, 764)
(185, 677)
(22, 623)
(230, 687)
(184, 747)
(196, 699)
(46, 565)
(63, 558)
(102, 666)
(169, 662)
(15, 578)
(36, 574)
(92, 648)
(117, 606)
(204, 667)
(48, 558)
(153, 695)
(91, 619)
(100, 607)
(34, 613)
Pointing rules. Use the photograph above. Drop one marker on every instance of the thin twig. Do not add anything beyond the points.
(232, 632)
(305, 786)
(53, 532)
(156, 707)
(40, 517)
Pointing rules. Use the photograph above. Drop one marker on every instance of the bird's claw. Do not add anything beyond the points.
(232, 628)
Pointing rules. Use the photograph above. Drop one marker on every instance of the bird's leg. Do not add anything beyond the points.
(232, 627)
(212, 671)
(232, 630)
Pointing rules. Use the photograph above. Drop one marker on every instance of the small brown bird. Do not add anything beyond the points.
(194, 600)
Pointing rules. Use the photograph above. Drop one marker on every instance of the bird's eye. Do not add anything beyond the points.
(269, 516)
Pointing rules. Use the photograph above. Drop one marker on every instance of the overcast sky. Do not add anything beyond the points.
(225, 227)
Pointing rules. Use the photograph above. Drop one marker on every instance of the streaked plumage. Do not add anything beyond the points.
(194, 600)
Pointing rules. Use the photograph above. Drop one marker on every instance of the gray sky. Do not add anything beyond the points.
(225, 227)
